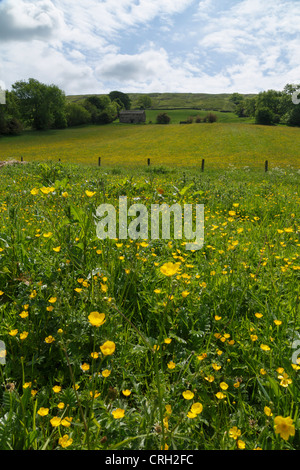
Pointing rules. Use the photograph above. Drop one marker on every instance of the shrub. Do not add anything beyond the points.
(163, 118)
(264, 116)
(211, 117)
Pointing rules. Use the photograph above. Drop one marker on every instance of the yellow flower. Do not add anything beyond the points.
(185, 293)
(96, 318)
(13, 332)
(169, 269)
(220, 395)
(85, 367)
(56, 388)
(216, 366)
(94, 355)
(217, 317)
(223, 385)
(284, 427)
(171, 365)
(188, 395)
(191, 415)
(118, 413)
(259, 315)
(254, 337)
(108, 348)
(241, 444)
(277, 322)
(197, 408)
(49, 339)
(47, 234)
(234, 432)
(34, 191)
(57, 249)
(209, 378)
(55, 421)
(268, 411)
(66, 421)
(285, 381)
(106, 373)
(24, 335)
(65, 441)
(167, 340)
(43, 411)
(90, 193)
(47, 190)
(27, 384)
(126, 393)
(52, 300)
(265, 347)
(61, 405)
(24, 314)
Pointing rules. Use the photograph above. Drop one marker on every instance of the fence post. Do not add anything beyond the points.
(99, 161)
(21, 159)
(202, 164)
(266, 166)
(148, 161)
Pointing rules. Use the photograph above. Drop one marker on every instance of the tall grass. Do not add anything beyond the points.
(200, 358)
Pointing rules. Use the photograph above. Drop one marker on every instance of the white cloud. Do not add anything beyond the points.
(151, 45)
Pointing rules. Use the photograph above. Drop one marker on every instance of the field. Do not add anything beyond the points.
(141, 344)
(221, 144)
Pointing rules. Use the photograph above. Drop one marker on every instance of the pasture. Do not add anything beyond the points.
(141, 344)
(221, 144)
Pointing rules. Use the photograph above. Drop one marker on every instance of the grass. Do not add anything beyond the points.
(201, 359)
(221, 145)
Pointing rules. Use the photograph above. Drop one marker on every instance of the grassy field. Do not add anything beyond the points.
(221, 144)
(142, 344)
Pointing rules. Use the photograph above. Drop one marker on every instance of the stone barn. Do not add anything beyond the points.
(134, 116)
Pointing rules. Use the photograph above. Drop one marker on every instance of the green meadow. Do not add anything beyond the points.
(221, 144)
(139, 343)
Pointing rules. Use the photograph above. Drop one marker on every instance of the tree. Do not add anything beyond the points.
(121, 98)
(101, 109)
(264, 116)
(10, 123)
(144, 102)
(41, 106)
(77, 115)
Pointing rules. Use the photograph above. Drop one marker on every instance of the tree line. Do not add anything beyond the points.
(35, 105)
(270, 107)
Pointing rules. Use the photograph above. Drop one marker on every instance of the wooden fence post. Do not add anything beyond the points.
(148, 161)
(202, 164)
(266, 166)
(99, 161)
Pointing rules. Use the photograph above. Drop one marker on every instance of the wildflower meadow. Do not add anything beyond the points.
(141, 344)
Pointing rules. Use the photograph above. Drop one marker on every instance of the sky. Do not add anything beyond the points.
(151, 46)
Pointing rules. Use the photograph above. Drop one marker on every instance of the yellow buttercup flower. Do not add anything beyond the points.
(108, 348)
(65, 441)
(97, 319)
(169, 269)
(90, 193)
(188, 395)
(284, 427)
(43, 411)
(126, 393)
(118, 413)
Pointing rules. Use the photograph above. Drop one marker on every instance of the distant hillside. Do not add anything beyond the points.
(206, 101)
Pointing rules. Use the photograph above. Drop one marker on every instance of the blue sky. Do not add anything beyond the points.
(196, 46)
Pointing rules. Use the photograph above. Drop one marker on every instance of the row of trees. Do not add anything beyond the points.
(38, 106)
(270, 107)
